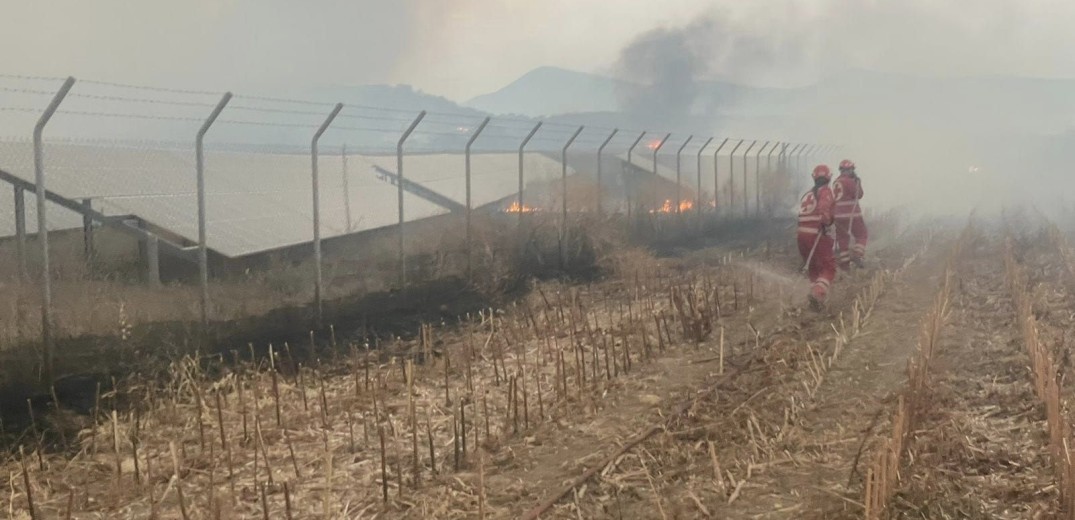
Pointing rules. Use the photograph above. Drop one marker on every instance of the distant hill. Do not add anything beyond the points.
(547, 91)
(983, 104)
(400, 97)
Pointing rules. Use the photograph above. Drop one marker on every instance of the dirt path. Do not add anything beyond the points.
(980, 451)
(829, 436)
(673, 473)
(539, 466)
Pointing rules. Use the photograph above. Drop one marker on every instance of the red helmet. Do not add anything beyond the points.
(821, 171)
(847, 164)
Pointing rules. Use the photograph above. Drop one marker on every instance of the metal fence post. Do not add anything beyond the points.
(399, 174)
(745, 154)
(788, 158)
(679, 185)
(803, 154)
(203, 249)
(757, 179)
(468, 243)
(630, 152)
(563, 194)
(698, 172)
(316, 186)
(20, 232)
(522, 147)
(731, 177)
(42, 226)
(600, 168)
(716, 175)
(656, 177)
(769, 166)
(346, 189)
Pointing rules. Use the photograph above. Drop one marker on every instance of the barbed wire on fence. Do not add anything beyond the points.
(404, 115)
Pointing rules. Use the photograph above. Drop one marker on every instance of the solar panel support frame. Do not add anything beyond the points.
(20, 232)
(88, 247)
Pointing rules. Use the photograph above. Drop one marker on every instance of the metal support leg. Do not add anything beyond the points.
(87, 232)
(153, 273)
(20, 232)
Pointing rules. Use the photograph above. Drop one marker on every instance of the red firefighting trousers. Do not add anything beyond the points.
(822, 267)
(846, 228)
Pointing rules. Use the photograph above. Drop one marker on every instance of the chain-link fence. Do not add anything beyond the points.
(136, 204)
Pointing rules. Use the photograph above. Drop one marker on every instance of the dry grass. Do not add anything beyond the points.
(447, 408)
(1046, 381)
(705, 461)
(882, 477)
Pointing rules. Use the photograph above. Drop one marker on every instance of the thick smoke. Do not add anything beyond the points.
(669, 73)
(933, 100)
(662, 68)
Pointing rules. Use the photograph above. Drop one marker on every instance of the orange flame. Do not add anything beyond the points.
(670, 207)
(517, 208)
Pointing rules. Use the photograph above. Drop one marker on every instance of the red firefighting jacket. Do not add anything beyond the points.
(847, 191)
(816, 210)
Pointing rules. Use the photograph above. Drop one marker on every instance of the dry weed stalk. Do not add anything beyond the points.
(883, 474)
(1046, 384)
(571, 329)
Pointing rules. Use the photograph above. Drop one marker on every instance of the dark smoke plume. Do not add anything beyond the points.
(667, 69)
(662, 67)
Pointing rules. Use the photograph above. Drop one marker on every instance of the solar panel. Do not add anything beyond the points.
(255, 202)
(494, 176)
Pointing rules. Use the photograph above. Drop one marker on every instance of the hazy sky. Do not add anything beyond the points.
(461, 48)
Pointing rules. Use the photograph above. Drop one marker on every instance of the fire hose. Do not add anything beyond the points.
(810, 257)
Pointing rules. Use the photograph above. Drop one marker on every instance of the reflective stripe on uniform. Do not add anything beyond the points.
(810, 230)
(847, 208)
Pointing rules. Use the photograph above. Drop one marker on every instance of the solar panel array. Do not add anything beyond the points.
(255, 202)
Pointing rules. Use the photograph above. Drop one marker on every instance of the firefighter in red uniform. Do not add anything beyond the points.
(815, 236)
(849, 224)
